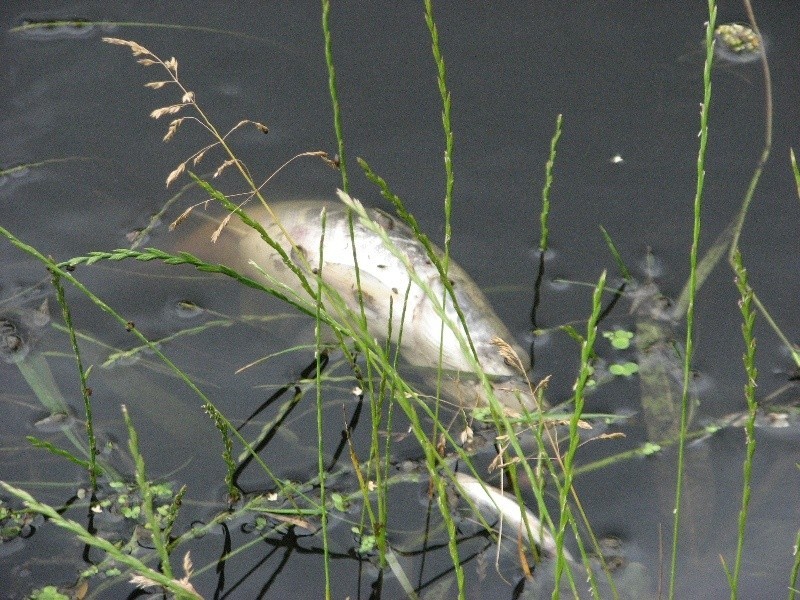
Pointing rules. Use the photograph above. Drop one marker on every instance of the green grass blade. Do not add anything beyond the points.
(52, 449)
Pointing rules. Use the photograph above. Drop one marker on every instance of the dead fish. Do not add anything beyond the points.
(504, 506)
(394, 271)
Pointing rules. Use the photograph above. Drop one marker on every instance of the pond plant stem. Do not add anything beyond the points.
(544, 222)
(63, 271)
(728, 240)
(693, 258)
(111, 549)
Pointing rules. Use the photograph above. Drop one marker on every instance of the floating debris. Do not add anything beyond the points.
(54, 423)
(137, 235)
(737, 43)
(188, 309)
(54, 29)
(19, 327)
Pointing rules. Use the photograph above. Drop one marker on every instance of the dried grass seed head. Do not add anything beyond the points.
(222, 225)
(181, 218)
(137, 49)
(224, 166)
(173, 128)
(199, 156)
(166, 110)
(508, 353)
(177, 172)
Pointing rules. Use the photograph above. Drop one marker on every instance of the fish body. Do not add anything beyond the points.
(393, 271)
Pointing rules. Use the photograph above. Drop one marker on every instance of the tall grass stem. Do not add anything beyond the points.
(82, 378)
(587, 349)
(147, 495)
(762, 161)
(321, 471)
(693, 258)
(748, 322)
(544, 216)
(333, 89)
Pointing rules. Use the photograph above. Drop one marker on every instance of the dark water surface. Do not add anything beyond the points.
(628, 79)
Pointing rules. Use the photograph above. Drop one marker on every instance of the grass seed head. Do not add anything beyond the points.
(177, 172)
(181, 218)
(218, 230)
(166, 110)
(173, 128)
(509, 354)
(137, 49)
(199, 156)
(223, 166)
